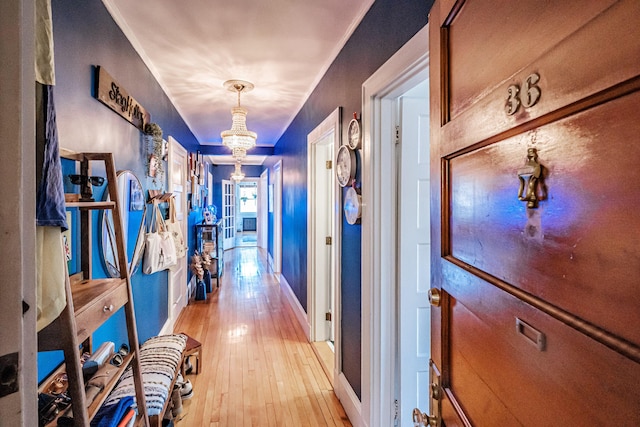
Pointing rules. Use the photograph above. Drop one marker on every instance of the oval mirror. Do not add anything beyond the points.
(132, 211)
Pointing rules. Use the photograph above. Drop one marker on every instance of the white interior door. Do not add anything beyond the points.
(178, 288)
(414, 248)
(263, 209)
(228, 214)
(321, 217)
(277, 219)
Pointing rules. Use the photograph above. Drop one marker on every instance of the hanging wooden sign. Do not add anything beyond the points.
(111, 94)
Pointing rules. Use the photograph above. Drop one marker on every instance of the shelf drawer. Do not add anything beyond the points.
(100, 299)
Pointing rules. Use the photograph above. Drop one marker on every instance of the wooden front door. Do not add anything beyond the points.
(536, 317)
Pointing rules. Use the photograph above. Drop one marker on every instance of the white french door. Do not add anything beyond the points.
(228, 214)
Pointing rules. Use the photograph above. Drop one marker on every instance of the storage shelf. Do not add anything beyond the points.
(100, 398)
(91, 205)
(91, 302)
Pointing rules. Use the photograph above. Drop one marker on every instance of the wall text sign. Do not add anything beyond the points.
(111, 94)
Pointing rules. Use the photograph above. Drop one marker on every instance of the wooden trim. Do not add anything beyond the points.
(615, 343)
(445, 77)
(624, 88)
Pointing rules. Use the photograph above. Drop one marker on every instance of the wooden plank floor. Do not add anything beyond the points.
(258, 369)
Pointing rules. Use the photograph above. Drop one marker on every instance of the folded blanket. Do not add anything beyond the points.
(159, 359)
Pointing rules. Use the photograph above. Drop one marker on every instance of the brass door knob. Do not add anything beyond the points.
(421, 419)
(434, 297)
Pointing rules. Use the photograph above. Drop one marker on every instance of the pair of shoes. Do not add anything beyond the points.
(176, 400)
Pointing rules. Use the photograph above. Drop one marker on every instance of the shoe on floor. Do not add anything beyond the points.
(176, 400)
(186, 391)
(188, 367)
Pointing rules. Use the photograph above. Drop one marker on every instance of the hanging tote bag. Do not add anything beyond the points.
(175, 228)
(160, 249)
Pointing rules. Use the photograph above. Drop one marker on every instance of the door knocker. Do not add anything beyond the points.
(532, 172)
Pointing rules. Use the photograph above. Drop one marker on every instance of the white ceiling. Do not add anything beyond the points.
(283, 47)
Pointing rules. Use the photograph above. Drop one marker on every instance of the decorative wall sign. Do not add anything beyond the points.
(111, 94)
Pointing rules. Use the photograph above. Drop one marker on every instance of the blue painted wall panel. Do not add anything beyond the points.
(387, 26)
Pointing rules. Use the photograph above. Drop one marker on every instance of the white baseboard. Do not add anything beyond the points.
(298, 310)
(167, 328)
(350, 401)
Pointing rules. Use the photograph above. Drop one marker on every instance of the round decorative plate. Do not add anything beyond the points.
(352, 206)
(354, 134)
(345, 166)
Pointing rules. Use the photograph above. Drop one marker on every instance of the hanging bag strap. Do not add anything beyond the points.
(153, 226)
(162, 226)
(172, 210)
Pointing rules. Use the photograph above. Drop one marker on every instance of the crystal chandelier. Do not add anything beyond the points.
(237, 174)
(238, 138)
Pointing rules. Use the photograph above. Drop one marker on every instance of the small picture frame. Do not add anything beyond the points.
(136, 198)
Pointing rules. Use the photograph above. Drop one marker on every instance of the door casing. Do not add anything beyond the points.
(329, 128)
(17, 158)
(178, 288)
(405, 69)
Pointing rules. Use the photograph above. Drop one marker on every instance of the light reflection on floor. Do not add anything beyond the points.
(237, 334)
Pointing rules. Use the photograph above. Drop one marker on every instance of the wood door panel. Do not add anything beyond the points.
(569, 268)
(497, 375)
(577, 246)
(564, 82)
(507, 45)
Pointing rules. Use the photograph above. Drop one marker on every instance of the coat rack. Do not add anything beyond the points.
(156, 196)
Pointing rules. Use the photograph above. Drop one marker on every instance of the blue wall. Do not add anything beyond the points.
(85, 35)
(387, 26)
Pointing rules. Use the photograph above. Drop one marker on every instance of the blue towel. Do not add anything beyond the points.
(110, 415)
(50, 205)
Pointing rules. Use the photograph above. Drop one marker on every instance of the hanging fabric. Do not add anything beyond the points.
(51, 216)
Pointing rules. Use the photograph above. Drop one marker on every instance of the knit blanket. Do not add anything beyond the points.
(159, 359)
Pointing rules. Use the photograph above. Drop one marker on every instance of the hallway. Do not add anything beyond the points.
(258, 368)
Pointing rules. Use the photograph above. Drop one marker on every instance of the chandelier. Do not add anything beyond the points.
(237, 174)
(238, 138)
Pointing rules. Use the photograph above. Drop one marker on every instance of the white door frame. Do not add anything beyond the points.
(17, 210)
(329, 127)
(263, 209)
(404, 70)
(276, 264)
(239, 215)
(177, 303)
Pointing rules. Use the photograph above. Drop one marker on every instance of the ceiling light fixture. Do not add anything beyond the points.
(238, 138)
(237, 174)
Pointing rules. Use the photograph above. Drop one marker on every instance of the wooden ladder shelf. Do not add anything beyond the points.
(90, 302)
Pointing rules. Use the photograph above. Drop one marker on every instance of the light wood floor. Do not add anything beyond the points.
(258, 368)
